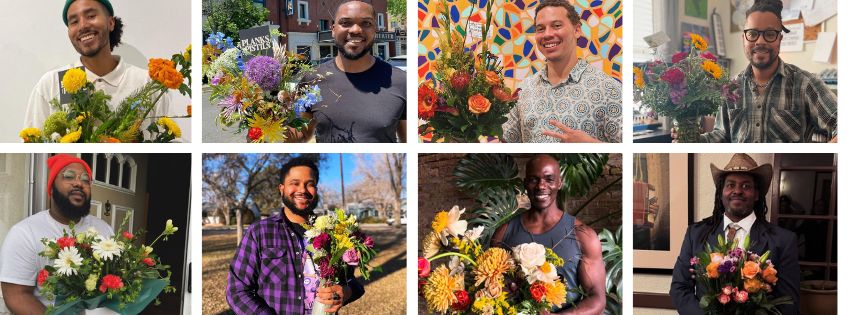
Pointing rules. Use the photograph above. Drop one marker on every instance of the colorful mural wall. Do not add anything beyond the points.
(601, 43)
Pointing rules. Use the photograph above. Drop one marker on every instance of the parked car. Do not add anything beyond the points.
(400, 61)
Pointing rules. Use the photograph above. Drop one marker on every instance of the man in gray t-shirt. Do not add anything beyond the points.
(363, 99)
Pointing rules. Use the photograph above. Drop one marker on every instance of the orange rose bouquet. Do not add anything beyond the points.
(736, 280)
(467, 98)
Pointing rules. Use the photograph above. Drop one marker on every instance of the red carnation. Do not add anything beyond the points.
(321, 241)
(459, 80)
(679, 57)
(110, 282)
(148, 261)
(463, 300)
(42, 276)
(127, 235)
(673, 76)
(709, 56)
(66, 242)
(538, 291)
(254, 133)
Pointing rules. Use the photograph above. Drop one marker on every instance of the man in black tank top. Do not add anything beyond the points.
(543, 221)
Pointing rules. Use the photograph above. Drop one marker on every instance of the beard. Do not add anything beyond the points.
(772, 57)
(69, 210)
(341, 48)
(290, 204)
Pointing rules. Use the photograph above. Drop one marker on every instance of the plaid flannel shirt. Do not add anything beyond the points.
(796, 107)
(266, 275)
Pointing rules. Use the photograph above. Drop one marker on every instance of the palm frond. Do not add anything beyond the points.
(478, 172)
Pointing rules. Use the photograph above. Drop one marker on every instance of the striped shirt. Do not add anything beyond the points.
(796, 107)
(588, 100)
(266, 275)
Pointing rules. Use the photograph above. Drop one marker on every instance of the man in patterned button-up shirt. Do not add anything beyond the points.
(568, 100)
(779, 101)
(268, 274)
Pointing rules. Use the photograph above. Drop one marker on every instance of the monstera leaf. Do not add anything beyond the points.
(579, 172)
(477, 172)
(613, 258)
(498, 207)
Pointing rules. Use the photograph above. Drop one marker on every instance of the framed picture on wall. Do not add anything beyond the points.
(660, 208)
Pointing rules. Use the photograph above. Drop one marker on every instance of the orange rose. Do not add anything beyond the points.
(716, 257)
(750, 269)
(712, 270)
(478, 104)
(769, 274)
(753, 285)
(492, 78)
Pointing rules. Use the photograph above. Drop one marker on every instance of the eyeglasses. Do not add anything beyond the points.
(770, 36)
(70, 175)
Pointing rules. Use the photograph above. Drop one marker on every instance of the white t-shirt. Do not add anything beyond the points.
(19, 259)
(120, 83)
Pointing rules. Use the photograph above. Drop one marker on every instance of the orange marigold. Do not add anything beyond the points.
(163, 71)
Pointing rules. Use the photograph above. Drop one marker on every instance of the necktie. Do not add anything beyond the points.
(731, 231)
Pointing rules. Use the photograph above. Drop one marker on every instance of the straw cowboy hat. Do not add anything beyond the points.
(743, 163)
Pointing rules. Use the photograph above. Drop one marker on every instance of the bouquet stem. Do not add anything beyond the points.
(319, 307)
(688, 129)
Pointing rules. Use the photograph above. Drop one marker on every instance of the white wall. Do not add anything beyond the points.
(705, 187)
(35, 40)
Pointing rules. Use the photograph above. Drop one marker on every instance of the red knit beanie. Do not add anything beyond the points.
(57, 162)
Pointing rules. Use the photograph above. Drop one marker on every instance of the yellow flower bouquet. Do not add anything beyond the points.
(484, 280)
(88, 117)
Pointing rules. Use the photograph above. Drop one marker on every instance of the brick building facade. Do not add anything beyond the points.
(437, 191)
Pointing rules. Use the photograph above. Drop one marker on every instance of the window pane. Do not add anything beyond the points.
(814, 273)
(811, 235)
(114, 171)
(807, 159)
(100, 172)
(125, 179)
(805, 192)
(87, 157)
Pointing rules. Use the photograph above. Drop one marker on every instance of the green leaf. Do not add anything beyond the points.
(498, 207)
(478, 172)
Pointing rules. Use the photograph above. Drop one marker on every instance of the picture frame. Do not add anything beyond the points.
(679, 211)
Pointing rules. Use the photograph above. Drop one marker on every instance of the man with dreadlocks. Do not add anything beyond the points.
(740, 209)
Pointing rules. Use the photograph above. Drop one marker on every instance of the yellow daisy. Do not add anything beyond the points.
(439, 290)
(272, 130)
(30, 134)
(71, 137)
(170, 126)
(712, 68)
(698, 42)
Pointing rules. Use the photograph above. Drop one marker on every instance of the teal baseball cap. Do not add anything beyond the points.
(68, 4)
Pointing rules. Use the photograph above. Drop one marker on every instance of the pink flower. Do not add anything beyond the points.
(679, 56)
(709, 56)
(110, 282)
(351, 257)
(693, 261)
(727, 290)
(674, 76)
(423, 267)
(368, 242)
(326, 271)
(741, 296)
(148, 261)
(723, 298)
(321, 240)
(127, 235)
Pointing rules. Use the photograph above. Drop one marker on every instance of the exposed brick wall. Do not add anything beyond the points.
(437, 191)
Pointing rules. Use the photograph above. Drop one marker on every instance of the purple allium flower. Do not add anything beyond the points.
(321, 240)
(351, 257)
(265, 71)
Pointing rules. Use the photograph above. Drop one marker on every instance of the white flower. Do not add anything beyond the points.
(106, 248)
(530, 256)
(319, 253)
(55, 136)
(546, 273)
(454, 225)
(456, 266)
(48, 251)
(147, 250)
(474, 233)
(310, 234)
(68, 261)
(321, 223)
(169, 227)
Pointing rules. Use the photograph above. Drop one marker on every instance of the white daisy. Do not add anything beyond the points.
(67, 261)
(106, 248)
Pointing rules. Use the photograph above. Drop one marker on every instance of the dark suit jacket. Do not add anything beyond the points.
(763, 236)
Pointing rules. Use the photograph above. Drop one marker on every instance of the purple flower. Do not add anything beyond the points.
(727, 267)
(321, 240)
(217, 79)
(679, 57)
(229, 105)
(677, 92)
(730, 91)
(368, 242)
(326, 271)
(737, 253)
(265, 71)
(351, 257)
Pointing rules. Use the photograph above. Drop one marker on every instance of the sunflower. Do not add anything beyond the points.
(712, 68)
(639, 77)
(698, 42)
(170, 126)
(272, 131)
(439, 290)
(556, 293)
(492, 265)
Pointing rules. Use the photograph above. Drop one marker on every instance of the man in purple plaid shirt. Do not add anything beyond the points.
(271, 271)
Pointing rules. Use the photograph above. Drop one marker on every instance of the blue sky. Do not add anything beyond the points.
(329, 170)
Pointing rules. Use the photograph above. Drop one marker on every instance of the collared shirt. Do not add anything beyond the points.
(745, 226)
(588, 100)
(122, 81)
(267, 270)
(796, 106)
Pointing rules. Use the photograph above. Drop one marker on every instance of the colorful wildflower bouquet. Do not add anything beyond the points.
(468, 98)
(479, 280)
(89, 271)
(691, 86)
(88, 118)
(337, 245)
(736, 281)
(260, 94)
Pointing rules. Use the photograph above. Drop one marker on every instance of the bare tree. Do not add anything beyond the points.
(395, 163)
(383, 180)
